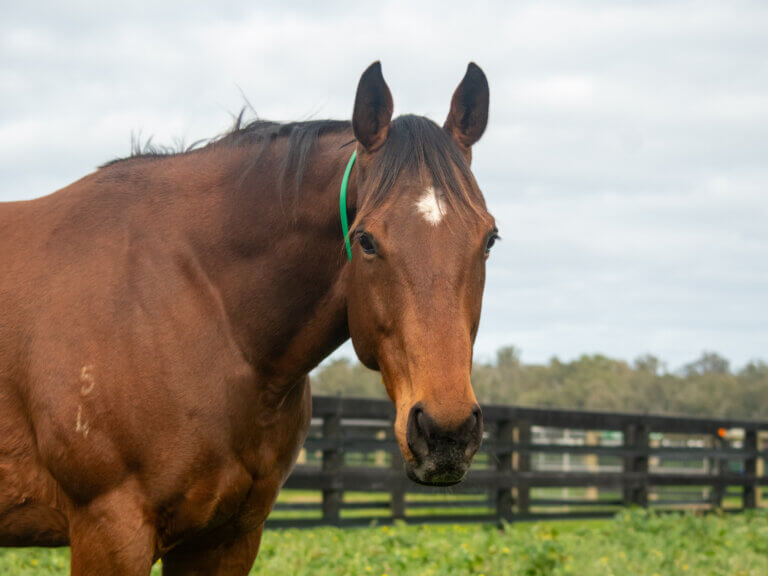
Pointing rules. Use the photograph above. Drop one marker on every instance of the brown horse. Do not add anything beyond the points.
(159, 317)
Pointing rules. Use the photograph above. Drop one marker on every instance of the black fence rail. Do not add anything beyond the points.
(533, 464)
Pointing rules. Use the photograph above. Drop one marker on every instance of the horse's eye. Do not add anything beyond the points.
(367, 243)
(491, 241)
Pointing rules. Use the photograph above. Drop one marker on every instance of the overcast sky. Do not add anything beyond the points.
(626, 160)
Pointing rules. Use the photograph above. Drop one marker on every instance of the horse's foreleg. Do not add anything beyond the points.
(232, 555)
(111, 536)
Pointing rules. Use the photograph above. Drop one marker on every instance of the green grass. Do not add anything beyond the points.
(635, 542)
(441, 502)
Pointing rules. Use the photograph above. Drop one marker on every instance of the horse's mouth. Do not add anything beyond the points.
(437, 475)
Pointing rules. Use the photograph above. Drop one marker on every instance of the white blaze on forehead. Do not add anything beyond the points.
(431, 206)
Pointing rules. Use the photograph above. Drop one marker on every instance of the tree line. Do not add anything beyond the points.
(705, 387)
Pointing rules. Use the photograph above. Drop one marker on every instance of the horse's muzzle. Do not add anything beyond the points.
(441, 457)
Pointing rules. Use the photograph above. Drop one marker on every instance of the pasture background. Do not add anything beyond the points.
(624, 161)
(635, 542)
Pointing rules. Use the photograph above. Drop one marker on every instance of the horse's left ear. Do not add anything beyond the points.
(468, 117)
(373, 108)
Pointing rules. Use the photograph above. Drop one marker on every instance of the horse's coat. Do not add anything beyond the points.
(159, 317)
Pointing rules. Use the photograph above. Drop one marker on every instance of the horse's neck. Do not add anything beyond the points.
(281, 277)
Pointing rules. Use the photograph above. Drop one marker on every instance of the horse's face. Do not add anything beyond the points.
(418, 271)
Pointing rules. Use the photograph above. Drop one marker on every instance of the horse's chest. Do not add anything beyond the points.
(210, 500)
(276, 436)
(242, 487)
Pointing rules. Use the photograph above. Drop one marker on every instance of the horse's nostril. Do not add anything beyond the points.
(416, 432)
(422, 423)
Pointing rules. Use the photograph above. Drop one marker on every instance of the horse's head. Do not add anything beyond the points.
(420, 239)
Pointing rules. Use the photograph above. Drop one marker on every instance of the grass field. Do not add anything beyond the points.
(633, 543)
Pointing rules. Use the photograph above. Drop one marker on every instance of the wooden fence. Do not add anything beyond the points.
(351, 473)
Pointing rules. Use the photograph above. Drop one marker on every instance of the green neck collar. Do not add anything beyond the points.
(343, 204)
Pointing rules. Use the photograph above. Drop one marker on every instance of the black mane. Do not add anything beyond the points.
(415, 146)
(302, 135)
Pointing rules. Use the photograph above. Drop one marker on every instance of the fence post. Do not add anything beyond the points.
(641, 464)
(333, 462)
(749, 495)
(397, 493)
(721, 463)
(505, 436)
(592, 463)
(628, 464)
(760, 472)
(524, 439)
(636, 440)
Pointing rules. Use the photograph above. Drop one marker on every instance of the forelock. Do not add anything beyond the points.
(417, 147)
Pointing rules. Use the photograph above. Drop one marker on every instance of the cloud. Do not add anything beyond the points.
(625, 159)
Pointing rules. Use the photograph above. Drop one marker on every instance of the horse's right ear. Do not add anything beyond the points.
(468, 117)
(373, 108)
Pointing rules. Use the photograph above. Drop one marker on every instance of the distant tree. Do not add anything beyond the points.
(347, 378)
(705, 387)
(756, 369)
(650, 364)
(508, 358)
(708, 363)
